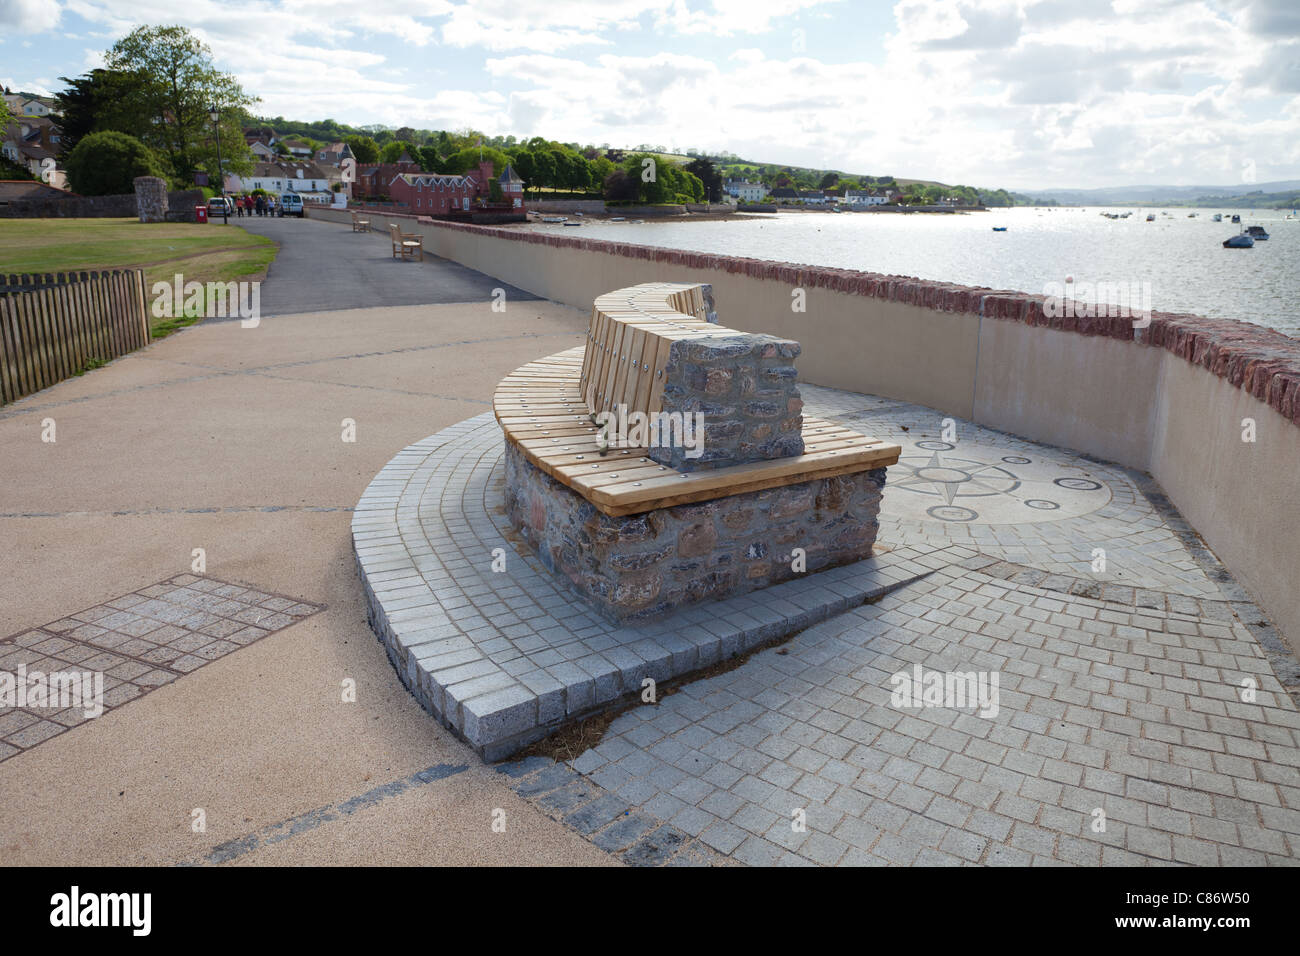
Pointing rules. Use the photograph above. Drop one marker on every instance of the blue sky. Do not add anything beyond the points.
(1018, 93)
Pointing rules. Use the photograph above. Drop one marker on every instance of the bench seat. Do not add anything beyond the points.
(543, 411)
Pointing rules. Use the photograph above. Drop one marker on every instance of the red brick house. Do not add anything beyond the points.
(373, 179)
(435, 194)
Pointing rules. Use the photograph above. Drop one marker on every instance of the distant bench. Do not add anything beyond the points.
(545, 408)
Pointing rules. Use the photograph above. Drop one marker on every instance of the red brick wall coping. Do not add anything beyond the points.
(1263, 362)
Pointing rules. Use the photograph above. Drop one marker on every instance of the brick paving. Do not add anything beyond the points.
(139, 642)
(1142, 717)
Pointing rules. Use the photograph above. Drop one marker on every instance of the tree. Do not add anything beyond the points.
(430, 161)
(619, 186)
(405, 134)
(101, 100)
(524, 166)
(467, 159)
(707, 174)
(106, 163)
(392, 151)
(543, 168)
(364, 149)
(179, 85)
(829, 181)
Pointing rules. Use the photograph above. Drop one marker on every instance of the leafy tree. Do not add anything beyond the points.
(829, 181)
(365, 149)
(392, 151)
(524, 166)
(599, 169)
(430, 161)
(179, 85)
(466, 159)
(405, 134)
(543, 168)
(106, 163)
(707, 174)
(619, 186)
(101, 100)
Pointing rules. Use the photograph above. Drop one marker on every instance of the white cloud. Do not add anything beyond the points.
(29, 16)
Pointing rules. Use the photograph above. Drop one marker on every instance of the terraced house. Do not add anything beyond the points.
(438, 194)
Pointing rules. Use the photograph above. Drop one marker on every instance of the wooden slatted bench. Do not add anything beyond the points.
(545, 409)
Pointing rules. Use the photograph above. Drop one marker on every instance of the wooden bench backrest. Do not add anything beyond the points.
(629, 339)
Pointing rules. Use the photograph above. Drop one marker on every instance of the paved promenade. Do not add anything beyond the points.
(1120, 688)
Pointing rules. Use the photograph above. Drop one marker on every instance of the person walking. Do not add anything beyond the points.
(261, 205)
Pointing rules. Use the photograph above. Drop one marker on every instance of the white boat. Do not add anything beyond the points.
(554, 218)
(573, 224)
(1218, 217)
(618, 219)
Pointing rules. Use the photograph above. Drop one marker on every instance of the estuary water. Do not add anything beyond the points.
(1182, 258)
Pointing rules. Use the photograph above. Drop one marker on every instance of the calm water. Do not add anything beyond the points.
(1183, 259)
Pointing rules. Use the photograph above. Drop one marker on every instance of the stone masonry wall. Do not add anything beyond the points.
(642, 566)
(746, 389)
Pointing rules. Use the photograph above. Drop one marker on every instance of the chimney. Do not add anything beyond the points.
(484, 176)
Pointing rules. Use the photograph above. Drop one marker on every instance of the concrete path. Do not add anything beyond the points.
(323, 267)
(230, 440)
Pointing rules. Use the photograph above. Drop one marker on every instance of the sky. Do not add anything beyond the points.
(1020, 94)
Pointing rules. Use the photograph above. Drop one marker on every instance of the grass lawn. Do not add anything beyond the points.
(199, 252)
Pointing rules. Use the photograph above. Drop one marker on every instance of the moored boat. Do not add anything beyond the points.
(1239, 241)
(1256, 232)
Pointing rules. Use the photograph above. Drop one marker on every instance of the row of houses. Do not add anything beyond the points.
(745, 191)
(32, 140)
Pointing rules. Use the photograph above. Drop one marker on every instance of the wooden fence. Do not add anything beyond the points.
(52, 326)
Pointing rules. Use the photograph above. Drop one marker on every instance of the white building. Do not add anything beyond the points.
(863, 197)
(306, 179)
(746, 191)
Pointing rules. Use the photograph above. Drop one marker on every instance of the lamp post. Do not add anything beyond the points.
(215, 115)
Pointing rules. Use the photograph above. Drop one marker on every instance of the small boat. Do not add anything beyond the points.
(1151, 217)
(1240, 241)
(1236, 218)
(573, 224)
(1191, 215)
(999, 228)
(618, 219)
(554, 218)
(1218, 217)
(1256, 232)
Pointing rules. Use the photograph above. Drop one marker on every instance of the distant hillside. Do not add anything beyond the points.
(1164, 195)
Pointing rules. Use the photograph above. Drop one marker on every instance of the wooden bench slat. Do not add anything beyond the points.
(542, 409)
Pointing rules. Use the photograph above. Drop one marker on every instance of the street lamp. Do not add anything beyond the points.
(215, 115)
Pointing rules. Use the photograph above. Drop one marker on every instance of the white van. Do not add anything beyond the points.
(291, 205)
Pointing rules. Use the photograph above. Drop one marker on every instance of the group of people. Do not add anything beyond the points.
(255, 205)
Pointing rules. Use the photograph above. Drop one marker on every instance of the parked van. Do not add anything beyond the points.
(291, 205)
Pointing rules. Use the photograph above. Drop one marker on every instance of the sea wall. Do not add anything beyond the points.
(1175, 398)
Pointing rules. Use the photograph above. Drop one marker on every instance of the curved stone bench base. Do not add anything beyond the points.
(504, 657)
(643, 566)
